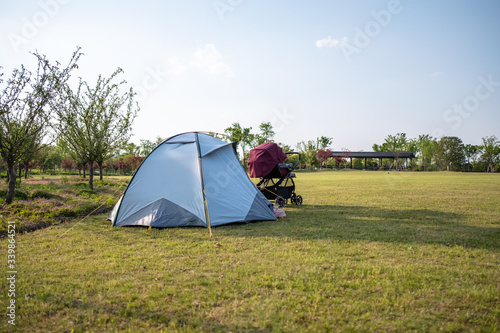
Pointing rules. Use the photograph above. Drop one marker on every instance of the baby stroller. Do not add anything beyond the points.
(276, 178)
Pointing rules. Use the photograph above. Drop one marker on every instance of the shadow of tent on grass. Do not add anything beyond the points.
(374, 224)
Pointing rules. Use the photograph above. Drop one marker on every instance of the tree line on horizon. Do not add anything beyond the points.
(445, 153)
(47, 124)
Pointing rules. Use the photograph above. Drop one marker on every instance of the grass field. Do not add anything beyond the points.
(368, 251)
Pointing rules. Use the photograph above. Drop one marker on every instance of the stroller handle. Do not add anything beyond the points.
(294, 153)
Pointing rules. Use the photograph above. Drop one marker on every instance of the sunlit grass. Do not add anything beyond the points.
(368, 251)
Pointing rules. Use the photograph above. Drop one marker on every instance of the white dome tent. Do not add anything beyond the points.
(191, 179)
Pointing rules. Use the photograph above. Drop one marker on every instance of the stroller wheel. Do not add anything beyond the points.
(298, 200)
(280, 202)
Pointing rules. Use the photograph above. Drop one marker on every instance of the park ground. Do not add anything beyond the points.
(366, 252)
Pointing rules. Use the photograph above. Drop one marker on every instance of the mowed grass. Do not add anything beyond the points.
(367, 252)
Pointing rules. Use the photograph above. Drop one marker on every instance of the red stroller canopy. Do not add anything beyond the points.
(264, 158)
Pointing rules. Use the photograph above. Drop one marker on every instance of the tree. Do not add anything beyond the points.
(323, 155)
(308, 151)
(449, 153)
(96, 121)
(323, 142)
(146, 147)
(426, 146)
(131, 148)
(266, 133)
(26, 105)
(491, 152)
(49, 158)
(242, 136)
(470, 152)
(396, 144)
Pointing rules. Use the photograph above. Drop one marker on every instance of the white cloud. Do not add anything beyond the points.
(329, 42)
(210, 60)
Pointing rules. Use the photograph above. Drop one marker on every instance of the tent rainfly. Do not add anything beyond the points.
(191, 179)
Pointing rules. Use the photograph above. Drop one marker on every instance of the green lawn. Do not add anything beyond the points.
(368, 251)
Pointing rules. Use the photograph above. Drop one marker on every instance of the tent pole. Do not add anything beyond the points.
(203, 185)
(206, 213)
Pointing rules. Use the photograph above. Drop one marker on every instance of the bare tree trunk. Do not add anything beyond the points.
(100, 170)
(11, 174)
(26, 169)
(91, 175)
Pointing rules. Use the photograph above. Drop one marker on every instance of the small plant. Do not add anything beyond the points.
(85, 193)
(110, 202)
(18, 195)
(43, 194)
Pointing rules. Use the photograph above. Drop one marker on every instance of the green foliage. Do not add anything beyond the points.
(39, 193)
(85, 193)
(266, 133)
(18, 195)
(449, 153)
(26, 106)
(241, 135)
(491, 152)
(95, 121)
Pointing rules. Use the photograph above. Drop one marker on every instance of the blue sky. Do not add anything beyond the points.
(355, 71)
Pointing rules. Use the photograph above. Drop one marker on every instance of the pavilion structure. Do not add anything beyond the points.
(374, 155)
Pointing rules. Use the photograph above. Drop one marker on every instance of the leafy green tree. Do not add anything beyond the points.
(96, 120)
(311, 159)
(426, 146)
(26, 105)
(131, 149)
(242, 136)
(266, 133)
(304, 146)
(470, 152)
(308, 151)
(449, 153)
(396, 144)
(49, 158)
(490, 152)
(323, 142)
(146, 147)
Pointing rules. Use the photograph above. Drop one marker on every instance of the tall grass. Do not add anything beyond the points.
(368, 251)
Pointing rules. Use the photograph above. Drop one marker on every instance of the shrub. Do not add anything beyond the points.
(66, 212)
(85, 193)
(81, 185)
(43, 194)
(18, 195)
(51, 186)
